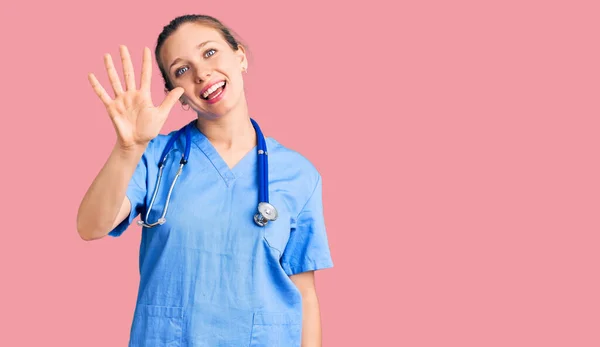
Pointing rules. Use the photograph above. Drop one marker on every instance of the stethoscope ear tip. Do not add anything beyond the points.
(160, 221)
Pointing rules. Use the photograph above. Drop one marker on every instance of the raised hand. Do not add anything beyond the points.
(134, 116)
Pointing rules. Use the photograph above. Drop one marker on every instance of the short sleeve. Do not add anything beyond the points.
(308, 247)
(136, 192)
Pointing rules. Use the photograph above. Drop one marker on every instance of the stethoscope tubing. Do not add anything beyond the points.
(263, 177)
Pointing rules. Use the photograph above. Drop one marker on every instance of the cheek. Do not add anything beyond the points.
(235, 77)
(188, 86)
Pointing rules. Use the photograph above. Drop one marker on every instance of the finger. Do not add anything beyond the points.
(127, 68)
(113, 76)
(171, 100)
(146, 78)
(100, 91)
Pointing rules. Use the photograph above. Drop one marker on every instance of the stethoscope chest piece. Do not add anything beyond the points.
(266, 213)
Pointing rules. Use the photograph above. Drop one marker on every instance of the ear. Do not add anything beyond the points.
(241, 53)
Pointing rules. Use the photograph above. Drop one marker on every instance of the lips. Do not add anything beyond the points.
(212, 90)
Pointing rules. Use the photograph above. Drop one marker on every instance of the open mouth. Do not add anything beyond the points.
(214, 91)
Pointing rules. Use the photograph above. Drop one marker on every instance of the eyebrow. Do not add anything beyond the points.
(179, 59)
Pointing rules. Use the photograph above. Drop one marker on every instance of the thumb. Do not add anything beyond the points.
(171, 99)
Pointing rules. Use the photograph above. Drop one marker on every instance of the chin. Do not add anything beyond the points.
(215, 112)
(222, 108)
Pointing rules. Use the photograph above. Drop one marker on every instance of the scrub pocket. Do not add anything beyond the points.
(156, 326)
(276, 330)
(277, 233)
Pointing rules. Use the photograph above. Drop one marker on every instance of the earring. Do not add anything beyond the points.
(183, 107)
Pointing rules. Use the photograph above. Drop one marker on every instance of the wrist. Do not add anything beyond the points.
(128, 151)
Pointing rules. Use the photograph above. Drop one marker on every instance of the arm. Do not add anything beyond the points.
(105, 205)
(136, 121)
(311, 317)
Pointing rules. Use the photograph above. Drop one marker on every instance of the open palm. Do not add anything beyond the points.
(135, 117)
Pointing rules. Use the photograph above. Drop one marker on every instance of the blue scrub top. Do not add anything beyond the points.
(210, 276)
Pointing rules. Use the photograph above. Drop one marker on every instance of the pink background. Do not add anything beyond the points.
(458, 142)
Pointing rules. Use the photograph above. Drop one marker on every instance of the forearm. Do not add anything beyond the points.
(104, 198)
(311, 320)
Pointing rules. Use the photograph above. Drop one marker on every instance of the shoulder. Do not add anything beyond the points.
(290, 158)
(293, 165)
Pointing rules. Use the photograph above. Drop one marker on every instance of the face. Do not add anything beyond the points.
(198, 59)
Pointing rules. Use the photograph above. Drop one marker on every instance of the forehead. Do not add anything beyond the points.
(185, 40)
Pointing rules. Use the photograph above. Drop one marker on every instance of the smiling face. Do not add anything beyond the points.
(197, 58)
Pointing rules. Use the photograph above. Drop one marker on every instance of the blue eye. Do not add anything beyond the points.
(178, 72)
(182, 70)
(209, 53)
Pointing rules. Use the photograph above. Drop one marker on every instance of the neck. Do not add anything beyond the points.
(231, 131)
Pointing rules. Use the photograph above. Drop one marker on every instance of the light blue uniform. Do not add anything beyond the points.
(211, 277)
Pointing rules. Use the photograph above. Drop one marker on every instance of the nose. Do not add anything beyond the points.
(202, 74)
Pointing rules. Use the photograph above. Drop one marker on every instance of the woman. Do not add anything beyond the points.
(213, 271)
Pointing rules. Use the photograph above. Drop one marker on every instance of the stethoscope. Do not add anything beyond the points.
(266, 212)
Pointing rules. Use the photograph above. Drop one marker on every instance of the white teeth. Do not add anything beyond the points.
(212, 89)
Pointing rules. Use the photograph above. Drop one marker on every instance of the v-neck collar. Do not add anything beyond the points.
(246, 165)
